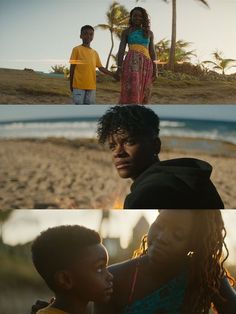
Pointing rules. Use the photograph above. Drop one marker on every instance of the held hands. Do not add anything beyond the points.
(117, 74)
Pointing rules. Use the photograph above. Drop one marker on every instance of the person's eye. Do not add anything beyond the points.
(111, 146)
(130, 141)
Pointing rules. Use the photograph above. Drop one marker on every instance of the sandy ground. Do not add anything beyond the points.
(25, 87)
(55, 173)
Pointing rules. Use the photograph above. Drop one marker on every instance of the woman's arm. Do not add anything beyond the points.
(153, 55)
(229, 305)
(121, 52)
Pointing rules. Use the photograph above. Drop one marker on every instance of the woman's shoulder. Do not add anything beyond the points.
(123, 268)
(150, 34)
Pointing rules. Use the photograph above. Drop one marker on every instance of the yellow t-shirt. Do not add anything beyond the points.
(86, 60)
(51, 310)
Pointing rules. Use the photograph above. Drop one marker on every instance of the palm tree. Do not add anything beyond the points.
(220, 63)
(162, 48)
(117, 21)
(171, 64)
(173, 35)
(181, 54)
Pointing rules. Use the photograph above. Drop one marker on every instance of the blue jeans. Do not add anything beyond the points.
(84, 97)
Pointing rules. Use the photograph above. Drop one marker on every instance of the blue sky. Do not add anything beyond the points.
(40, 33)
(25, 112)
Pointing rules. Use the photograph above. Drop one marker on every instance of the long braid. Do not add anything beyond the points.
(206, 266)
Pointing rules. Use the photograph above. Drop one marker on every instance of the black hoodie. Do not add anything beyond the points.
(182, 183)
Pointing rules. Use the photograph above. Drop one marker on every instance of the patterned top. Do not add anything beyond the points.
(166, 300)
(137, 38)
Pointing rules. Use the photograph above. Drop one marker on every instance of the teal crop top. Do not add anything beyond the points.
(167, 300)
(137, 38)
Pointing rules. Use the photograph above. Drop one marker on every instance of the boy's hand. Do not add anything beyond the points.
(105, 71)
(38, 306)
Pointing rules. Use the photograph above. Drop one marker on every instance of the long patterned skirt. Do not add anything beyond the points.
(136, 79)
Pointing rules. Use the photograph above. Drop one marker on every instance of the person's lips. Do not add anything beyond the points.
(122, 164)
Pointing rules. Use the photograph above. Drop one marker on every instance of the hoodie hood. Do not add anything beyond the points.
(182, 183)
(191, 171)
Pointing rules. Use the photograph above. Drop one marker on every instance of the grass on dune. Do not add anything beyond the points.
(19, 86)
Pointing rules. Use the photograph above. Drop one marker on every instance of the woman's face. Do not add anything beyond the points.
(169, 237)
(137, 18)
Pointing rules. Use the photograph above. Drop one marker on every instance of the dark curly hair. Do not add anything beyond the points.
(206, 266)
(56, 248)
(146, 20)
(135, 119)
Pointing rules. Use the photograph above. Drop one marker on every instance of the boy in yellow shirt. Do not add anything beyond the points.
(73, 263)
(84, 60)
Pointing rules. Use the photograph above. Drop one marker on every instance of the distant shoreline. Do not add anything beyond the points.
(212, 147)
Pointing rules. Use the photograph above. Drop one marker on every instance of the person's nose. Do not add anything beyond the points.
(119, 150)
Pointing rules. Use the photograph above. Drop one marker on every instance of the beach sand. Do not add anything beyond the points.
(59, 173)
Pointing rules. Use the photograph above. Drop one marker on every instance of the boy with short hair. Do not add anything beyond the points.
(73, 263)
(84, 60)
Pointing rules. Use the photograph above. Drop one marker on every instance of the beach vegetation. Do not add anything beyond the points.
(60, 69)
(117, 20)
(171, 62)
(189, 84)
(172, 51)
(181, 53)
(220, 63)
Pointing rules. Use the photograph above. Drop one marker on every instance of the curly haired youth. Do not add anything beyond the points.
(206, 266)
(135, 120)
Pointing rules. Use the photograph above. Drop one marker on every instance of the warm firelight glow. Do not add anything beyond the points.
(118, 203)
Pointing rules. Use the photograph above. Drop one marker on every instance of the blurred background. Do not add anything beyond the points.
(121, 231)
(50, 157)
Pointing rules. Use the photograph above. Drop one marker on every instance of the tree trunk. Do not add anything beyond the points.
(171, 64)
(110, 52)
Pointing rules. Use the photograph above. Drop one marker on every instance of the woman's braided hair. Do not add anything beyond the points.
(206, 265)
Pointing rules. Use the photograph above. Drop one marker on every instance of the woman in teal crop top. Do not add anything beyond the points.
(138, 69)
(178, 269)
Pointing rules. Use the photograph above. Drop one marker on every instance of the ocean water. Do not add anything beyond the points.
(85, 127)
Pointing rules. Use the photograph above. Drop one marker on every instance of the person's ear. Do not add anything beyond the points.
(64, 279)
